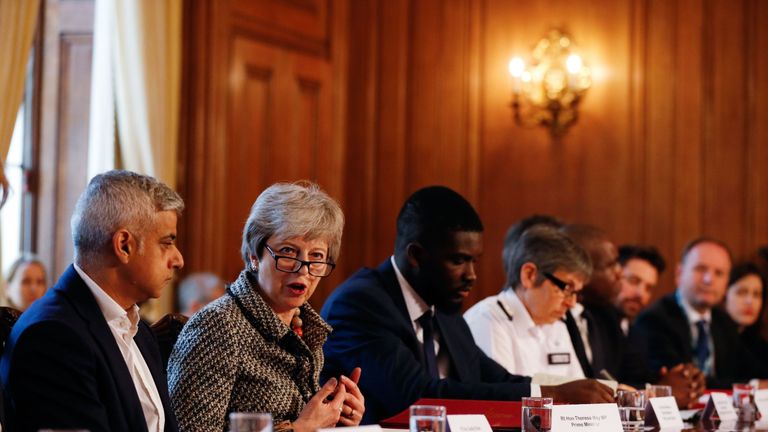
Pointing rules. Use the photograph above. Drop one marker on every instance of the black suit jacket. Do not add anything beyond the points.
(62, 367)
(372, 329)
(665, 330)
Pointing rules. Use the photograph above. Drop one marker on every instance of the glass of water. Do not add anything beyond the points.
(744, 402)
(631, 409)
(250, 422)
(537, 414)
(427, 418)
(652, 391)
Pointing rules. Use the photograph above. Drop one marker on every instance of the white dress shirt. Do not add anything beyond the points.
(416, 307)
(504, 330)
(124, 325)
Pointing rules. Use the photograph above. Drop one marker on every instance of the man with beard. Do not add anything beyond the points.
(640, 270)
(402, 324)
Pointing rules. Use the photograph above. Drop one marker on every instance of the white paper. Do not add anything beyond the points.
(724, 406)
(586, 418)
(667, 414)
(369, 428)
(544, 379)
(468, 423)
(761, 400)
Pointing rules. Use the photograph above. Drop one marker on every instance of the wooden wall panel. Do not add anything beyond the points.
(669, 144)
(267, 81)
(64, 112)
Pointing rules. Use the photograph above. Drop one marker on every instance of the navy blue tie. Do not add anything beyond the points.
(430, 359)
(702, 346)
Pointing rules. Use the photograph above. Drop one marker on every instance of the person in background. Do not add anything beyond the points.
(259, 347)
(402, 322)
(745, 302)
(686, 326)
(27, 282)
(641, 267)
(197, 290)
(80, 357)
(522, 327)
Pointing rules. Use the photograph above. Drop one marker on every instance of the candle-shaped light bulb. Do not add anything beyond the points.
(516, 67)
(573, 63)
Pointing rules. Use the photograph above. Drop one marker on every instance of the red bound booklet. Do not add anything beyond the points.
(501, 415)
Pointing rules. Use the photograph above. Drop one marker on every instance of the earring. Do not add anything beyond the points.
(254, 267)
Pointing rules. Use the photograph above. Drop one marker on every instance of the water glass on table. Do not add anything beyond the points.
(427, 418)
(652, 391)
(631, 409)
(250, 422)
(744, 402)
(536, 415)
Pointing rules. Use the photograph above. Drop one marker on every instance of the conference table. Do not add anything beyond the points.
(506, 416)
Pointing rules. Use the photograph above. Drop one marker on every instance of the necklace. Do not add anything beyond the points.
(296, 323)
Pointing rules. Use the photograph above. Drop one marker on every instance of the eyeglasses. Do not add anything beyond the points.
(293, 265)
(567, 289)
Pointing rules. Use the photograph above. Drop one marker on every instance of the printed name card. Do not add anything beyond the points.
(662, 412)
(369, 428)
(761, 400)
(586, 418)
(468, 423)
(719, 407)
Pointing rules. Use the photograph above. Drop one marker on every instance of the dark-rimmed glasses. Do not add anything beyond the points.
(288, 264)
(567, 289)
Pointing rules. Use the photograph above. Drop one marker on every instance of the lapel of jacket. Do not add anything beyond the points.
(74, 288)
(578, 344)
(679, 322)
(453, 341)
(392, 288)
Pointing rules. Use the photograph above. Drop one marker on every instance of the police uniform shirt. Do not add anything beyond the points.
(505, 331)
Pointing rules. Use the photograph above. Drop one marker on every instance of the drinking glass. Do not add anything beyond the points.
(744, 402)
(652, 391)
(537, 414)
(250, 422)
(631, 408)
(427, 418)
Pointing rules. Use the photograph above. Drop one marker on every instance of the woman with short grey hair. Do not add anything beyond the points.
(259, 347)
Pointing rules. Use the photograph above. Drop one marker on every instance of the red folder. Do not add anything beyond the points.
(501, 415)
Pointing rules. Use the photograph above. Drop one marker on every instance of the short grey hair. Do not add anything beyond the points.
(550, 250)
(118, 199)
(299, 209)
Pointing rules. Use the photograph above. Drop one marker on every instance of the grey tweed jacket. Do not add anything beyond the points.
(234, 357)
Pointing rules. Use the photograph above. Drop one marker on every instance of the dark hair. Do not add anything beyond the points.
(431, 214)
(645, 253)
(705, 239)
(518, 228)
(741, 270)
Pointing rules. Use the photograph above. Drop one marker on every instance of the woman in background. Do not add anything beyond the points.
(26, 282)
(258, 348)
(744, 302)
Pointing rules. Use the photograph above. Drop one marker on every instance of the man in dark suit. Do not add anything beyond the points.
(686, 327)
(80, 357)
(402, 324)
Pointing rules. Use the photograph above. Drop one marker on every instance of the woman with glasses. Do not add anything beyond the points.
(259, 347)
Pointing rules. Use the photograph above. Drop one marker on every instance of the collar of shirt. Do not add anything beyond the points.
(523, 321)
(124, 320)
(693, 315)
(413, 302)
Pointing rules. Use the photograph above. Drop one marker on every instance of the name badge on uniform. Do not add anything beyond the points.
(559, 358)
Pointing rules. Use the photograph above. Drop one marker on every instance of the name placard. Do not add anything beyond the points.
(719, 407)
(663, 413)
(468, 423)
(761, 400)
(586, 418)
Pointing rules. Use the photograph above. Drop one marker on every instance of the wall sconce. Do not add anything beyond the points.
(548, 91)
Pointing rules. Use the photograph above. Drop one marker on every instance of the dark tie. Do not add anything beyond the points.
(430, 359)
(702, 346)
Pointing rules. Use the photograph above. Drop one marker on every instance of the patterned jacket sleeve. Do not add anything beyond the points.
(202, 372)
